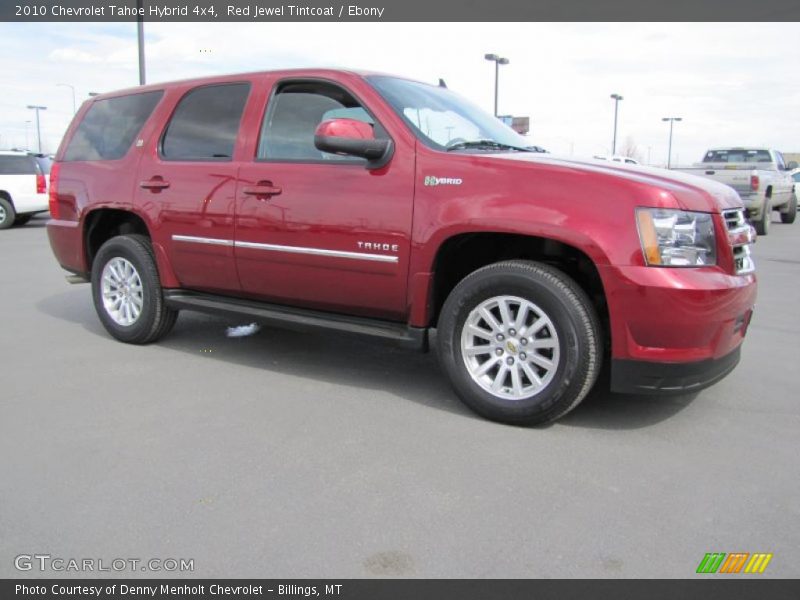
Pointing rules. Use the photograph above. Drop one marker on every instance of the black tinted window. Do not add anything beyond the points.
(294, 113)
(738, 155)
(17, 165)
(205, 123)
(110, 126)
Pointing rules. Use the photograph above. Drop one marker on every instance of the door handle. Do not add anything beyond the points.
(263, 189)
(156, 184)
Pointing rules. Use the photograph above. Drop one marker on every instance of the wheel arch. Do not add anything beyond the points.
(102, 223)
(464, 252)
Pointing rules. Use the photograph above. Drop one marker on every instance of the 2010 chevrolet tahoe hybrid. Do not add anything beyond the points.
(374, 205)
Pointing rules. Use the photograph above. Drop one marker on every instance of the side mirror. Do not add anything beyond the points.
(351, 137)
(792, 165)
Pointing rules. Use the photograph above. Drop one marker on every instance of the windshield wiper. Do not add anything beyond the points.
(485, 144)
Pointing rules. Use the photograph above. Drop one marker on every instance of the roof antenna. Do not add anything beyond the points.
(442, 84)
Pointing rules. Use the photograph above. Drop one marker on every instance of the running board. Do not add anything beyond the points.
(300, 319)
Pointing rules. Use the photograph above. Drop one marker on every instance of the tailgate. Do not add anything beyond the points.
(736, 175)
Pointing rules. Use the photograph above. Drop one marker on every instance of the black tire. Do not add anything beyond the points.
(762, 225)
(789, 214)
(22, 219)
(575, 321)
(7, 213)
(155, 319)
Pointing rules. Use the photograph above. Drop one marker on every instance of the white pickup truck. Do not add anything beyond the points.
(23, 186)
(760, 176)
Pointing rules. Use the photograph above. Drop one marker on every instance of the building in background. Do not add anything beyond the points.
(522, 125)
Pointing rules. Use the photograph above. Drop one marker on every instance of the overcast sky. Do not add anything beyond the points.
(733, 84)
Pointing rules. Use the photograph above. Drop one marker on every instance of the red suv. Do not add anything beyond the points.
(374, 205)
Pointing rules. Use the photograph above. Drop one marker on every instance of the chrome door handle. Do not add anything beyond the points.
(263, 189)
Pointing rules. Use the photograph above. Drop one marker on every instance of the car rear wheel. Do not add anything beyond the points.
(127, 292)
(762, 225)
(520, 342)
(789, 214)
(7, 213)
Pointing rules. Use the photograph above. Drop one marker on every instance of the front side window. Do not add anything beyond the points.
(205, 123)
(110, 126)
(295, 111)
(443, 119)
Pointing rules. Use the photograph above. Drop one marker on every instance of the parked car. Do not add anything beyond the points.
(378, 206)
(23, 187)
(620, 159)
(759, 175)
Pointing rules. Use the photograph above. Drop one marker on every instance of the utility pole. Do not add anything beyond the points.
(140, 36)
(616, 98)
(38, 128)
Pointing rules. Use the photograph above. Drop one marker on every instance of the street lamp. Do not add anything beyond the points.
(497, 60)
(669, 152)
(38, 129)
(616, 98)
(73, 94)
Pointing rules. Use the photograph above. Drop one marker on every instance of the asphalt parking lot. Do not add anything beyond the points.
(289, 455)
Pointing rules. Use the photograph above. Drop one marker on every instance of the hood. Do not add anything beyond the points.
(689, 191)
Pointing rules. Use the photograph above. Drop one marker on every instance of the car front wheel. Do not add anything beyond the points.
(520, 342)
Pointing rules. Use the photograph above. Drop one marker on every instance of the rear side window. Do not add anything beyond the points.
(17, 165)
(205, 123)
(110, 126)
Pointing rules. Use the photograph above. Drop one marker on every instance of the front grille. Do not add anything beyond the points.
(734, 218)
(740, 236)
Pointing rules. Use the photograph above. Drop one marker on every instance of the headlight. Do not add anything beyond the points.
(676, 238)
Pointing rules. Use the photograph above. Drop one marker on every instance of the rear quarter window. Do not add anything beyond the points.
(17, 165)
(110, 126)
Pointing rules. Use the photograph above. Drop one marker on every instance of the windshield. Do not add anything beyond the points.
(737, 155)
(444, 120)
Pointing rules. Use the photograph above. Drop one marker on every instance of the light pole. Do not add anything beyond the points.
(616, 98)
(669, 152)
(497, 60)
(38, 129)
(73, 94)
(140, 38)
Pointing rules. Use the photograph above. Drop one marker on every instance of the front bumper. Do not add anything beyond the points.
(677, 315)
(641, 377)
